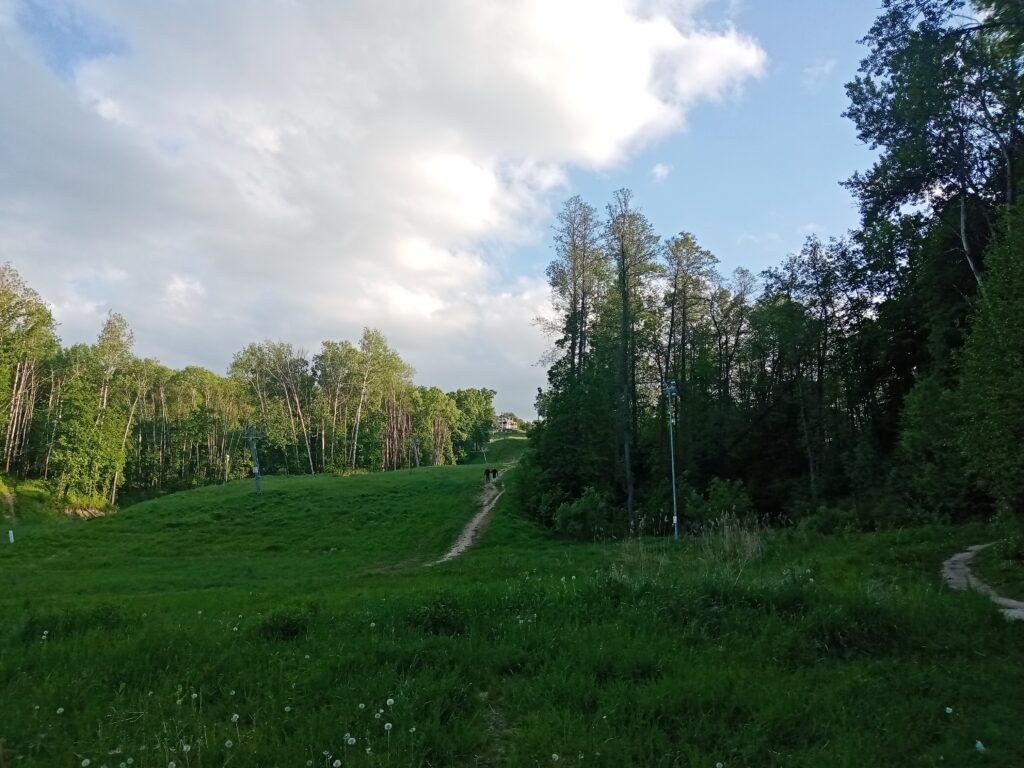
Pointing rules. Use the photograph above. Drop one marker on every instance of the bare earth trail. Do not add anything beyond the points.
(957, 573)
(474, 527)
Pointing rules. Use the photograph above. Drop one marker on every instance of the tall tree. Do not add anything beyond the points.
(633, 248)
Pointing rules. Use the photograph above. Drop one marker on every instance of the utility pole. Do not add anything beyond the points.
(252, 436)
(670, 390)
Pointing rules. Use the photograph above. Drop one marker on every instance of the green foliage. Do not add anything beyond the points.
(992, 431)
(476, 417)
(588, 518)
(93, 419)
(928, 473)
(838, 388)
(723, 500)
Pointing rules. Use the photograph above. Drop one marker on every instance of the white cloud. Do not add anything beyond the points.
(766, 238)
(817, 74)
(308, 169)
(660, 172)
(183, 294)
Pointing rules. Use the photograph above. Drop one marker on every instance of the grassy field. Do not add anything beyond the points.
(308, 628)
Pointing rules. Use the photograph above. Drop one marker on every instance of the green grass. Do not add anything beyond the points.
(504, 447)
(291, 611)
(25, 501)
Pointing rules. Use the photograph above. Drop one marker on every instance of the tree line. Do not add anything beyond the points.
(93, 420)
(865, 380)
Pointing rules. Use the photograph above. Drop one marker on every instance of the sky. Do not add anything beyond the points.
(223, 173)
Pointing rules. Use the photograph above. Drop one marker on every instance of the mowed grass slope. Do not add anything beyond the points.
(304, 613)
(302, 532)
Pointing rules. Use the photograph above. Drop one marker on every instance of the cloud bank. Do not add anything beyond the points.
(222, 173)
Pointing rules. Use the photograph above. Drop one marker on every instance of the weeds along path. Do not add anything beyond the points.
(957, 573)
(473, 528)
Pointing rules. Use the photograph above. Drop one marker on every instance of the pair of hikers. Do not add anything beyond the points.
(490, 475)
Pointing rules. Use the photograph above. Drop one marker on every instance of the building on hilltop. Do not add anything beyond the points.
(507, 422)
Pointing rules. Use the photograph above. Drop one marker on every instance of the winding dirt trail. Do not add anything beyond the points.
(474, 527)
(957, 573)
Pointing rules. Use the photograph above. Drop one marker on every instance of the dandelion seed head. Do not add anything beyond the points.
(719, 765)
(351, 740)
(368, 750)
(554, 757)
(373, 625)
(229, 743)
(234, 718)
(390, 702)
(362, 706)
(949, 710)
(336, 763)
(376, 715)
(60, 710)
(232, 693)
(413, 729)
(186, 747)
(387, 726)
(172, 764)
(288, 709)
(195, 696)
(85, 762)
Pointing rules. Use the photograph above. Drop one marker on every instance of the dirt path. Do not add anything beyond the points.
(473, 528)
(957, 573)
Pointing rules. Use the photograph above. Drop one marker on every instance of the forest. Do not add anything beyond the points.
(91, 420)
(871, 380)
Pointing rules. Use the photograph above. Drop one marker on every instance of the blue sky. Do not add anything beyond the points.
(223, 173)
(756, 173)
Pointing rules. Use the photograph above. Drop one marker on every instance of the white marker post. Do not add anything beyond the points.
(10, 534)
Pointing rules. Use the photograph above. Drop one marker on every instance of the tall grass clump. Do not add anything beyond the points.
(730, 539)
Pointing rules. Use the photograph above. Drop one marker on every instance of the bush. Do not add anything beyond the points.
(723, 499)
(591, 516)
(82, 505)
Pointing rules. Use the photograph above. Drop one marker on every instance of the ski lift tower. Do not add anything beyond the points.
(252, 435)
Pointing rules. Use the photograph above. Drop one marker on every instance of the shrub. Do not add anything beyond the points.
(591, 516)
(723, 499)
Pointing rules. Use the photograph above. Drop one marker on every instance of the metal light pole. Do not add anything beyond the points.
(252, 437)
(670, 390)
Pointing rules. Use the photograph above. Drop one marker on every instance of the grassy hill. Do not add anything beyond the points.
(305, 612)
